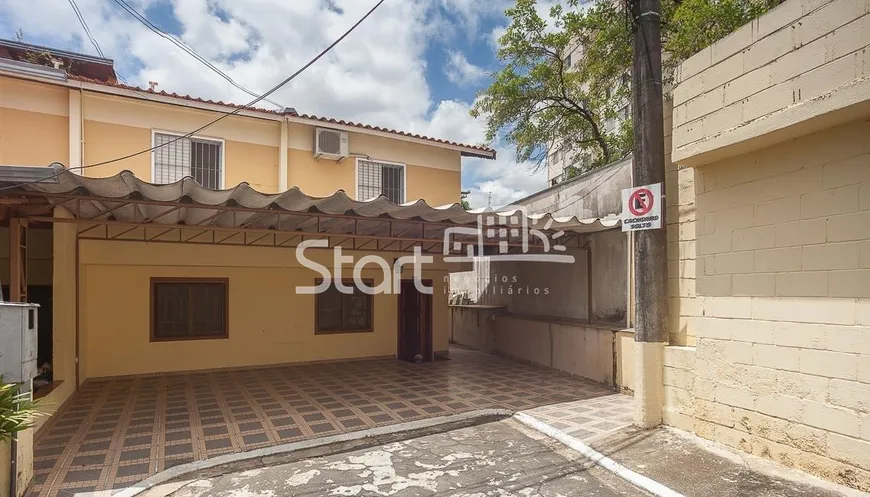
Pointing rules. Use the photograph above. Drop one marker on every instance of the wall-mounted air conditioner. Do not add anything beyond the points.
(330, 144)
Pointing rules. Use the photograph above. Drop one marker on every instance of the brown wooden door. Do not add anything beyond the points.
(415, 323)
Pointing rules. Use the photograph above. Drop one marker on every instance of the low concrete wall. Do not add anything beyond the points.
(598, 352)
(474, 325)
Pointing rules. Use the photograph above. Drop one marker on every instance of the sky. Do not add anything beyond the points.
(414, 65)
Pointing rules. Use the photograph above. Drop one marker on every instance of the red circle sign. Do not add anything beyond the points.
(640, 202)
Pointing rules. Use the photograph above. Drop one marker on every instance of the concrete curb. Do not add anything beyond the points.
(596, 457)
(181, 470)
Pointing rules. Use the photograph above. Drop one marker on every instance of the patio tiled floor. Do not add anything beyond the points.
(118, 431)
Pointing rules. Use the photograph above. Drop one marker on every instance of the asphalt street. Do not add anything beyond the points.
(496, 459)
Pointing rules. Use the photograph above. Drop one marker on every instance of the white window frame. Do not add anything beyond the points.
(389, 163)
(223, 170)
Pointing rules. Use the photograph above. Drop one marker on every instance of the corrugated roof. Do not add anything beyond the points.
(259, 210)
(312, 117)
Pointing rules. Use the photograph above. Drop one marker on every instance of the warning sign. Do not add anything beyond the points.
(642, 208)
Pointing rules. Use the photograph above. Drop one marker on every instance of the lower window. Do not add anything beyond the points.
(189, 308)
(337, 312)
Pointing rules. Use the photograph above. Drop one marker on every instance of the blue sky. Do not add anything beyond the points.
(414, 65)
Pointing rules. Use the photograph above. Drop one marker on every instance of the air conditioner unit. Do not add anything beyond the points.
(330, 143)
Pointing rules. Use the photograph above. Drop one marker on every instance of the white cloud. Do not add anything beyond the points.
(462, 72)
(494, 35)
(470, 13)
(377, 75)
(504, 179)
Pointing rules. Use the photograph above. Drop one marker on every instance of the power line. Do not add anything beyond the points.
(190, 51)
(224, 115)
(78, 13)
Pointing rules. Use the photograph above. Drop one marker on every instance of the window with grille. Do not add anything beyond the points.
(188, 309)
(377, 178)
(337, 312)
(175, 158)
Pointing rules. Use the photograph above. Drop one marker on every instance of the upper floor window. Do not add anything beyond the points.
(175, 158)
(567, 62)
(374, 178)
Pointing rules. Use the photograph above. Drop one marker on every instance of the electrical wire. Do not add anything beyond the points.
(190, 51)
(78, 13)
(223, 116)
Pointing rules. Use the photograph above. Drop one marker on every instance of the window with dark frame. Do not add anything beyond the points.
(337, 312)
(189, 309)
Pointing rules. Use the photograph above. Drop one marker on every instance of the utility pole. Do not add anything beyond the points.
(650, 246)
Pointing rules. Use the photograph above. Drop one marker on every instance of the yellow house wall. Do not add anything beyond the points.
(435, 186)
(432, 173)
(320, 178)
(64, 316)
(34, 126)
(256, 164)
(33, 138)
(106, 141)
(34, 129)
(268, 322)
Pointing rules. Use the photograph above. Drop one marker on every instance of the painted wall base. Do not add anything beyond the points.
(648, 391)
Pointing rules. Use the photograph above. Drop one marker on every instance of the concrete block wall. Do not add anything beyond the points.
(681, 222)
(800, 61)
(781, 366)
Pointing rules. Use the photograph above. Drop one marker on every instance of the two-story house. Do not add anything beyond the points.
(119, 297)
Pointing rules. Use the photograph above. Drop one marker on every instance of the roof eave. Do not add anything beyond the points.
(155, 97)
(479, 155)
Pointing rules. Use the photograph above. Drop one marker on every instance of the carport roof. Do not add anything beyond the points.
(125, 199)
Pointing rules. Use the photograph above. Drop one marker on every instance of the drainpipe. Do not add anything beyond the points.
(282, 155)
(76, 130)
(588, 248)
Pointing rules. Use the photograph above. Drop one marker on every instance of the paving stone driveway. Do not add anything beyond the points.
(116, 432)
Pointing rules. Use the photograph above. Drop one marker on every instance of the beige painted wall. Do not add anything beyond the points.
(268, 322)
(33, 138)
(64, 315)
(256, 164)
(680, 217)
(33, 123)
(106, 141)
(783, 75)
(589, 351)
(320, 178)
(783, 281)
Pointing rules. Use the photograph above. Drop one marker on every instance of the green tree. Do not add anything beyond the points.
(16, 410)
(543, 96)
